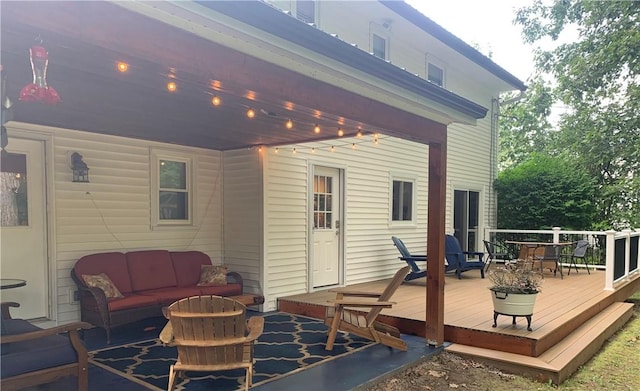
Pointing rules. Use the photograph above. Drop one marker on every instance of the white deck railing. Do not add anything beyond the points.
(621, 248)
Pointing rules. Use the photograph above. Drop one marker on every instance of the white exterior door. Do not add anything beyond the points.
(23, 230)
(326, 227)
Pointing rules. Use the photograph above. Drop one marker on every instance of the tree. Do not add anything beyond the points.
(598, 77)
(524, 124)
(544, 192)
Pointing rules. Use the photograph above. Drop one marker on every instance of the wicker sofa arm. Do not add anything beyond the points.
(235, 278)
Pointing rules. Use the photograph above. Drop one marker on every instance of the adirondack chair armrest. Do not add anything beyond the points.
(255, 327)
(345, 292)
(479, 254)
(71, 328)
(419, 258)
(166, 335)
(5, 305)
(360, 303)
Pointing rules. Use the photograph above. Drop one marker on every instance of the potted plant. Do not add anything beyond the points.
(514, 291)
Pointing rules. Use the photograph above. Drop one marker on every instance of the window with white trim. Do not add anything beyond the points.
(172, 189)
(379, 46)
(402, 200)
(306, 11)
(435, 74)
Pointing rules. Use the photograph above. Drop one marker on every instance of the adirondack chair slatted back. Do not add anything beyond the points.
(402, 248)
(393, 286)
(202, 321)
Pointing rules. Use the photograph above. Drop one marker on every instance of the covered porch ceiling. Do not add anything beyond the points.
(86, 40)
(247, 53)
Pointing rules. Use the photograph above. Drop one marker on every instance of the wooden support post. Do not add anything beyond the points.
(434, 331)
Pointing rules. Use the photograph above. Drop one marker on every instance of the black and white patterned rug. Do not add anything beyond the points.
(289, 344)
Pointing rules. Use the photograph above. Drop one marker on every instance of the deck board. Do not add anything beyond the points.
(572, 318)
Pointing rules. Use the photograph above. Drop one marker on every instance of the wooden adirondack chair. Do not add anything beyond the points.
(211, 334)
(347, 314)
(410, 259)
(458, 259)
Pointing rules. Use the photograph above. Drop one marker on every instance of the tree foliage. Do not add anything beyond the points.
(524, 124)
(598, 77)
(544, 192)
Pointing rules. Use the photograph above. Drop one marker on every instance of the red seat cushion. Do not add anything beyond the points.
(112, 264)
(166, 296)
(186, 265)
(150, 269)
(132, 301)
(222, 290)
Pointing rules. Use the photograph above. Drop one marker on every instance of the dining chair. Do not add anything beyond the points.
(580, 251)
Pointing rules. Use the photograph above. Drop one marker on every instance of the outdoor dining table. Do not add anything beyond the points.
(528, 250)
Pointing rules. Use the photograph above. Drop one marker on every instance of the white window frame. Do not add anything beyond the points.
(398, 178)
(158, 155)
(315, 12)
(432, 60)
(382, 32)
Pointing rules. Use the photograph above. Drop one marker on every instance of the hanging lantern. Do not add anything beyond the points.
(38, 90)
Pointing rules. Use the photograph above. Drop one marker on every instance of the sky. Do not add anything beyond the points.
(488, 24)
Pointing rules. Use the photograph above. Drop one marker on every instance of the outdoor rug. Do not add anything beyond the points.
(289, 344)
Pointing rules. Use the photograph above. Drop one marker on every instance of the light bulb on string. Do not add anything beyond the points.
(251, 113)
(216, 100)
(313, 150)
(359, 134)
(123, 66)
(332, 148)
(276, 151)
(353, 146)
(294, 151)
(172, 86)
(289, 124)
(340, 132)
(316, 129)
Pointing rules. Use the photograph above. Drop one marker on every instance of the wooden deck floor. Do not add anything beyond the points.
(561, 308)
(572, 319)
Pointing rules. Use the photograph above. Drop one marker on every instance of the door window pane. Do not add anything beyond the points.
(379, 46)
(322, 202)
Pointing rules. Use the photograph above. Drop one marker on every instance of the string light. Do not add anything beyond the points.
(276, 150)
(289, 124)
(251, 113)
(216, 100)
(313, 150)
(316, 129)
(172, 86)
(359, 134)
(340, 132)
(123, 66)
(332, 148)
(260, 148)
(353, 146)
(294, 151)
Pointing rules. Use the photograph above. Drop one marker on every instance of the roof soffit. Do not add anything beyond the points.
(227, 31)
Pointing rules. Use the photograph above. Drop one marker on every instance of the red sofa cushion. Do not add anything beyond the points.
(112, 264)
(186, 265)
(132, 301)
(166, 296)
(150, 269)
(223, 290)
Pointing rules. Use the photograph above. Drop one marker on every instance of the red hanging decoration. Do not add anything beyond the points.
(39, 91)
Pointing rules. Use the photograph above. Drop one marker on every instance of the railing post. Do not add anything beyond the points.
(627, 251)
(556, 234)
(609, 260)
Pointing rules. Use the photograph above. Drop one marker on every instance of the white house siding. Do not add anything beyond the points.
(369, 168)
(242, 216)
(112, 211)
